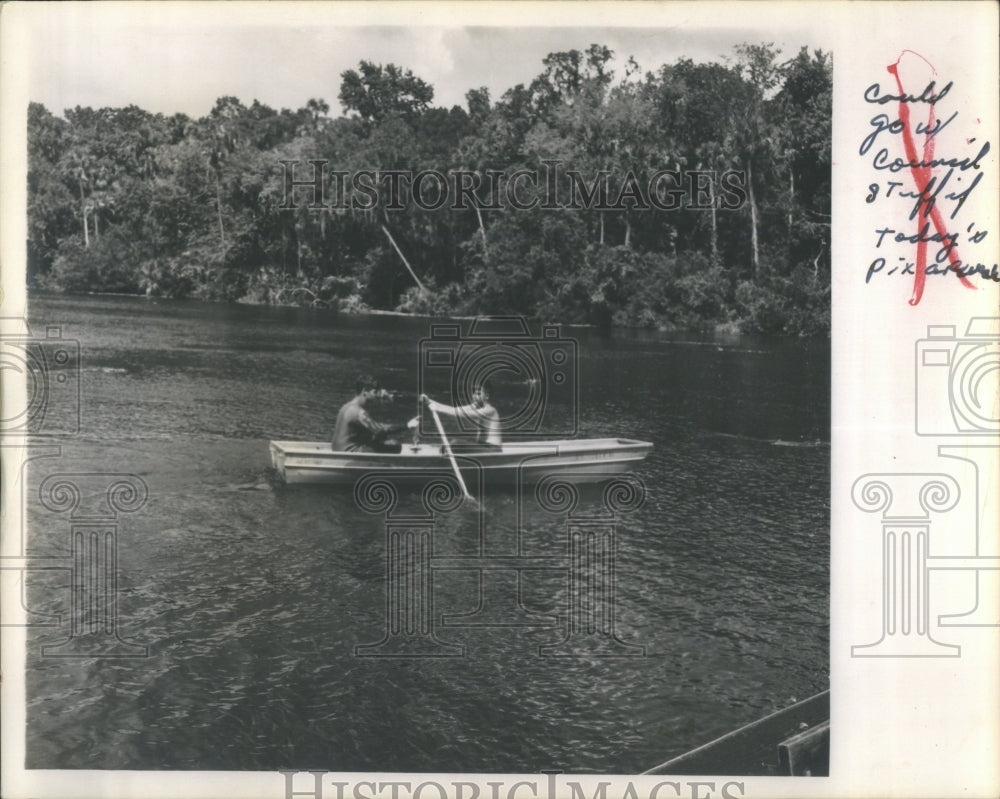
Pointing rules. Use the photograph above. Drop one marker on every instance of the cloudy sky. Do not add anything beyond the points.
(170, 57)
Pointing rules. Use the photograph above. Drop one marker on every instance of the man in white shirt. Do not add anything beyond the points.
(480, 413)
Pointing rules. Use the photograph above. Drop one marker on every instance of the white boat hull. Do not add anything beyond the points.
(577, 459)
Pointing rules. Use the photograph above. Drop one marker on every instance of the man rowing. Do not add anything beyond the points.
(480, 414)
(356, 431)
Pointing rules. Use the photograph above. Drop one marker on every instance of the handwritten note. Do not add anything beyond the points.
(925, 193)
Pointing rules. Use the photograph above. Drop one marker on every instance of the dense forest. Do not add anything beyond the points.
(122, 200)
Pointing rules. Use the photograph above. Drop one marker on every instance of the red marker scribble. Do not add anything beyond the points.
(922, 178)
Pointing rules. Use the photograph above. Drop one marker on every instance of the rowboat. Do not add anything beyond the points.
(580, 460)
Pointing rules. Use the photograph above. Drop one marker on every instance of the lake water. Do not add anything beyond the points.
(251, 597)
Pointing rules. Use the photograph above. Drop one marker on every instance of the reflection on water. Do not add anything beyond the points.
(252, 597)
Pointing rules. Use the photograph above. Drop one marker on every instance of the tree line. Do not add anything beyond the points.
(123, 200)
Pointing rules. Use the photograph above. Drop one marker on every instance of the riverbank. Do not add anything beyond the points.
(765, 311)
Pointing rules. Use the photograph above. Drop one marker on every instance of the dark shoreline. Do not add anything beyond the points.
(725, 329)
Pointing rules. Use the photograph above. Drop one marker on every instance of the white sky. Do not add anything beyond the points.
(182, 57)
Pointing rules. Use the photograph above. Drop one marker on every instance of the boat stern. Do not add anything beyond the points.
(278, 458)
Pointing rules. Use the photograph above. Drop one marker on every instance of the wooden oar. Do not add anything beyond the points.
(448, 452)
